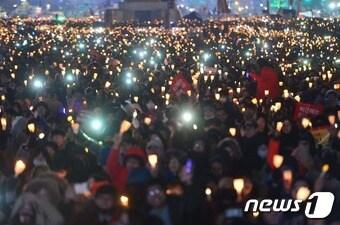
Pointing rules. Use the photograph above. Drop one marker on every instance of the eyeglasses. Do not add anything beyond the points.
(154, 192)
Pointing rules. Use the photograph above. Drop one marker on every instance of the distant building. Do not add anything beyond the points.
(141, 11)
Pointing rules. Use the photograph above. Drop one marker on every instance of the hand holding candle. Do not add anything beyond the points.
(279, 126)
(232, 131)
(238, 185)
(31, 127)
(3, 123)
(153, 160)
(124, 126)
(124, 200)
(277, 161)
(19, 167)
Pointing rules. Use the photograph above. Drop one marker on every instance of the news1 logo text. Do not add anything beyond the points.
(318, 205)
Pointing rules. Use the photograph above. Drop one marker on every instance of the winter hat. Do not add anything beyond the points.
(137, 152)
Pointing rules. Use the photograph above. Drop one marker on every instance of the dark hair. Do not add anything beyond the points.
(58, 132)
(106, 189)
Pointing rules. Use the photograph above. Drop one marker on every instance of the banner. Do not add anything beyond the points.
(307, 110)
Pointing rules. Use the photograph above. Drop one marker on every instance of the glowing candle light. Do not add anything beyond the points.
(279, 126)
(124, 200)
(305, 122)
(232, 131)
(3, 123)
(303, 193)
(277, 161)
(147, 120)
(19, 167)
(266, 92)
(153, 160)
(31, 127)
(124, 126)
(238, 185)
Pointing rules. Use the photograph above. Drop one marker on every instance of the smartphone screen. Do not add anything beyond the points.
(81, 188)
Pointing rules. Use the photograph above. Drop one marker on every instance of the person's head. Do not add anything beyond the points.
(331, 98)
(134, 158)
(198, 146)
(51, 149)
(261, 123)
(105, 198)
(59, 137)
(221, 114)
(175, 160)
(231, 146)
(26, 215)
(287, 127)
(155, 195)
(41, 110)
(249, 129)
(209, 112)
(174, 165)
(216, 167)
(155, 146)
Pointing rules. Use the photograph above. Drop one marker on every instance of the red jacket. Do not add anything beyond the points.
(267, 80)
(116, 168)
(117, 171)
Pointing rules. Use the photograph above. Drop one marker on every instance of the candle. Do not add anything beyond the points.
(325, 168)
(124, 200)
(124, 126)
(279, 126)
(153, 160)
(3, 123)
(107, 84)
(277, 161)
(232, 131)
(297, 98)
(254, 101)
(238, 185)
(147, 120)
(75, 128)
(31, 127)
(305, 122)
(20, 167)
(287, 175)
(266, 92)
(302, 193)
(285, 93)
(208, 193)
(41, 136)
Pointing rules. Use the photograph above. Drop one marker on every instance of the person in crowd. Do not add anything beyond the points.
(137, 124)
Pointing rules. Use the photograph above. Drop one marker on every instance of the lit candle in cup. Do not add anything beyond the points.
(232, 131)
(238, 185)
(19, 167)
(277, 161)
(153, 160)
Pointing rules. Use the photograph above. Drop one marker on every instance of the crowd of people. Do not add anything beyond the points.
(142, 125)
